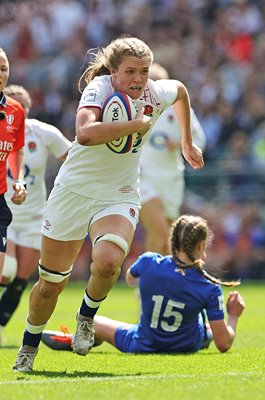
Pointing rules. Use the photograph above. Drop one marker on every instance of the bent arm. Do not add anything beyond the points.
(16, 163)
(191, 152)
(224, 332)
(182, 110)
(90, 131)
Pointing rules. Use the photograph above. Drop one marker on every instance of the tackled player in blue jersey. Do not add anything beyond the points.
(176, 295)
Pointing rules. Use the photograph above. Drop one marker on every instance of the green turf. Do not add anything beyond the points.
(108, 374)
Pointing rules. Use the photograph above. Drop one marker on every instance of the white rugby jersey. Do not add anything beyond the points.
(156, 159)
(41, 139)
(99, 172)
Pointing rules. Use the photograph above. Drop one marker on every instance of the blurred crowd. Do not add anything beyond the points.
(216, 47)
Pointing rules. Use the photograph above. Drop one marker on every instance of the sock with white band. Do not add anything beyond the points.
(32, 334)
(89, 307)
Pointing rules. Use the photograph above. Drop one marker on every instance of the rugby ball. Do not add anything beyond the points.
(120, 107)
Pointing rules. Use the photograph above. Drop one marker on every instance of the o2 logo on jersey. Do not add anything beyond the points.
(31, 179)
(125, 144)
(159, 140)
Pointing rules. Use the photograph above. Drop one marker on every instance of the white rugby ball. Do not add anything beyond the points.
(120, 107)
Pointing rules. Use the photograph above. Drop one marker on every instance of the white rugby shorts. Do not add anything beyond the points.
(169, 191)
(68, 215)
(26, 235)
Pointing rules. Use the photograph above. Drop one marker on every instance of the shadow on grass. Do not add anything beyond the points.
(70, 375)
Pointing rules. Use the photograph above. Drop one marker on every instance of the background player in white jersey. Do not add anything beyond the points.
(24, 234)
(176, 292)
(97, 188)
(162, 181)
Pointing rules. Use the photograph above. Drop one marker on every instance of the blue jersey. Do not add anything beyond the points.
(172, 302)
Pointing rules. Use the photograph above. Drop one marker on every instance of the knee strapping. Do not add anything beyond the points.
(53, 276)
(110, 237)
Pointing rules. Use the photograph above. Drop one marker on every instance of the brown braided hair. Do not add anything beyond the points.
(112, 56)
(186, 232)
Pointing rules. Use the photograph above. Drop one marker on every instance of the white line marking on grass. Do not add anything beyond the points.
(26, 381)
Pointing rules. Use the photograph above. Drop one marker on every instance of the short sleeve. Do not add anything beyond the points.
(96, 92)
(138, 267)
(167, 91)
(58, 143)
(215, 306)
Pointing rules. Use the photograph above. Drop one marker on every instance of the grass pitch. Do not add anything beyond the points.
(107, 373)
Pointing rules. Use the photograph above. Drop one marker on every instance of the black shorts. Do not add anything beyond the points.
(5, 220)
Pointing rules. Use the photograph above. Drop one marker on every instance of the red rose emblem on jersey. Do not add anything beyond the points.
(132, 212)
(148, 110)
(32, 146)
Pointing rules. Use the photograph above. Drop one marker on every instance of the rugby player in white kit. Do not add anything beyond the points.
(96, 189)
(162, 168)
(24, 233)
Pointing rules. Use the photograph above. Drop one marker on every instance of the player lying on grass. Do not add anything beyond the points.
(176, 292)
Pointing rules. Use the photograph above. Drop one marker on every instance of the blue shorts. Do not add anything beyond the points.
(126, 339)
